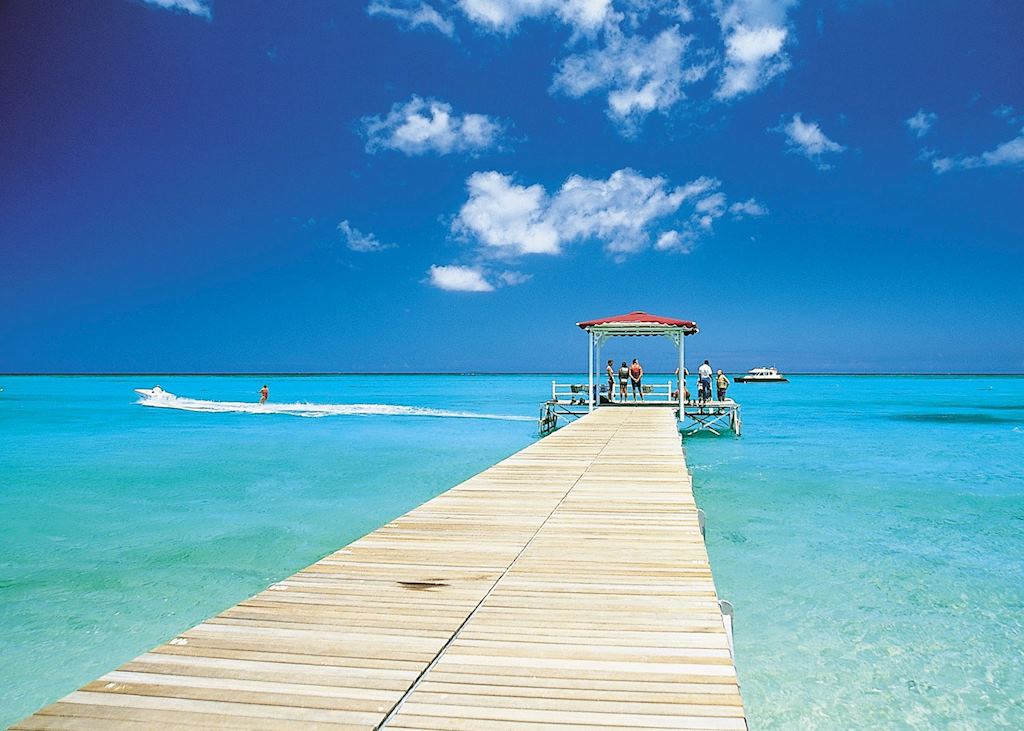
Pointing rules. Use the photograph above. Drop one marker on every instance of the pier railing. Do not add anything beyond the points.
(576, 393)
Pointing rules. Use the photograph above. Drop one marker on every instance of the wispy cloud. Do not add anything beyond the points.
(627, 212)
(681, 242)
(921, 123)
(413, 14)
(193, 7)
(420, 126)
(1008, 154)
(708, 209)
(513, 278)
(1007, 112)
(510, 219)
(356, 240)
(807, 139)
(749, 207)
(504, 16)
(634, 50)
(455, 278)
(755, 34)
(641, 75)
(476, 278)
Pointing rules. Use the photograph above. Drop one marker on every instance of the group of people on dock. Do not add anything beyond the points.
(704, 377)
(705, 374)
(631, 377)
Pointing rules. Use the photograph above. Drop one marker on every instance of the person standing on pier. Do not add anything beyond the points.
(704, 374)
(611, 380)
(636, 374)
(723, 384)
(682, 385)
(623, 380)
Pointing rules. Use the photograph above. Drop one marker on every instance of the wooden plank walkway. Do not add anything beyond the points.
(566, 587)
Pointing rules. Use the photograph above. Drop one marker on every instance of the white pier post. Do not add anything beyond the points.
(590, 374)
(598, 372)
(682, 375)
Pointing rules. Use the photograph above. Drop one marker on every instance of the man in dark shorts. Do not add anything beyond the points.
(722, 381)
(636, 375)
(623, 380)
(704, 373)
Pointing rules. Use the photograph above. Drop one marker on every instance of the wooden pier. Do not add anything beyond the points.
(567, 587)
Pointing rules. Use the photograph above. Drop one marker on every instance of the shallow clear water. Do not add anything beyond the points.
(870, 531)
(121, 525)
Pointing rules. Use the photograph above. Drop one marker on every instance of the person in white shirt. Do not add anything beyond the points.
(704, 373)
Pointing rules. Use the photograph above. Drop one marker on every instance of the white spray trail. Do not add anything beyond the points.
(160, 399)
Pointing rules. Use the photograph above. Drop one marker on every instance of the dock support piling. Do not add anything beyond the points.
(590, 374)
(682, 376)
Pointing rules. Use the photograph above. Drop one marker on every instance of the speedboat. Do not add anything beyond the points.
(762, 375)
(155, 392)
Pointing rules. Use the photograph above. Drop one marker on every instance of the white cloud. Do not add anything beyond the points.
(623, 211)
(921, 122)
(514, 278)
(641, 75)
(749, 207)
(617, 211)
(808, 139)
(421, 126)
(356, 240)
(455, 278)
(507, 217)
(680, 242)
(633, 50)
(636, 12)
(1007, 112)
(706, 211)
(504, 16)
(1007, 154)
(412, 14)
(458, 278)
(193, 7)
(754, 33)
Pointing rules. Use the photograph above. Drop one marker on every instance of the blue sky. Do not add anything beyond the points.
(379, 185)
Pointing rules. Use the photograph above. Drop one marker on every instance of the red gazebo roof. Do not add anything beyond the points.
(640, 323)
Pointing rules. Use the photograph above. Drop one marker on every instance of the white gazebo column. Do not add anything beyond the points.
(682, 374)
(598, 369)
(590, 374)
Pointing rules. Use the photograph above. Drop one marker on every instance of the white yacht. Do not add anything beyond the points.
(762, 375)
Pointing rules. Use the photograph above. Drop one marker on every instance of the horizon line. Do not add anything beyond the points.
(468, 373)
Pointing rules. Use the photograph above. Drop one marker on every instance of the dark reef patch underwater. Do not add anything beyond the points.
(955, 419)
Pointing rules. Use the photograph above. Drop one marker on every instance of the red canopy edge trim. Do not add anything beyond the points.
(639, 318)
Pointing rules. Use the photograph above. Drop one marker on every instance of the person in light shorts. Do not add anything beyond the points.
(723, 383)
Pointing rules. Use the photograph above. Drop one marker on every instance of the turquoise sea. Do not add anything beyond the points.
(869, 530)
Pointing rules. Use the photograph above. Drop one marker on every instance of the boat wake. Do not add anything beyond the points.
(160, 399)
